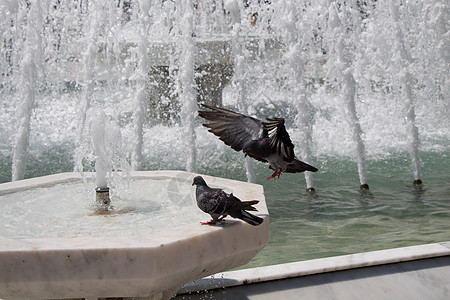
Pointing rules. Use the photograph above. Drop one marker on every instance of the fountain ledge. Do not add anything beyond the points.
(318, 266)
(155, 266)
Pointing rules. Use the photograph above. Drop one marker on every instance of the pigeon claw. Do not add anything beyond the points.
(276, 174)
(208, 223)
(212, 222)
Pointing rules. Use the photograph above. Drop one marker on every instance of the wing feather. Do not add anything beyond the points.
(234, 129)
(279, 140)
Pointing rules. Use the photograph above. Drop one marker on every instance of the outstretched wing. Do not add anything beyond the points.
(279, 140)
(234, 129)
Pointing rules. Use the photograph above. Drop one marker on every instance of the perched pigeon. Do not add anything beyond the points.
(219, 204)
(263, 141)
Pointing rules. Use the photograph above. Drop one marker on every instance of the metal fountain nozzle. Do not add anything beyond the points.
(102, 198)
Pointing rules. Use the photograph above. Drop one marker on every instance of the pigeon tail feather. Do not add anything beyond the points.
(298, 166)
(247, 217)
(247, 205)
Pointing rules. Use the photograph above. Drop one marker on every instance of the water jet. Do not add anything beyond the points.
(361, 103)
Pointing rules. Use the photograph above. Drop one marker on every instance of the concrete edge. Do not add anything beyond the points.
(317, 266)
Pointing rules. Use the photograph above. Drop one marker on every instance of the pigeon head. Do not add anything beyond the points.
(199, 181)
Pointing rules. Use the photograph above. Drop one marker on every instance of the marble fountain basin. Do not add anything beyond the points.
(153, 263)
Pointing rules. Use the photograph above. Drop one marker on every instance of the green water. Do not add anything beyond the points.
(340, 220)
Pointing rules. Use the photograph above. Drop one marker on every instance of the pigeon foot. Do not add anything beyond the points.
(208, 223)
(276, 174)
(212, 222)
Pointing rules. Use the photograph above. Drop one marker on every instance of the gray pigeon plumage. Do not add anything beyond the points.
(264, 141)
(219, 204)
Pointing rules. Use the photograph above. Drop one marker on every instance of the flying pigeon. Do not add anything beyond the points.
(264, 141)
(219, 204)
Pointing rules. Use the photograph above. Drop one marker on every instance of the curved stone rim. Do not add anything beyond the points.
(132, 267)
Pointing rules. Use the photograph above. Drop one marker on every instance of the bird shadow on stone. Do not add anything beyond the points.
(230, 222)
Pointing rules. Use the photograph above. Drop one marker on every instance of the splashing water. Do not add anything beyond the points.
(331, 66)
(359, 83)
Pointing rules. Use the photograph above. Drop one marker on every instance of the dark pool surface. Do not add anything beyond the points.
(340, 220)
